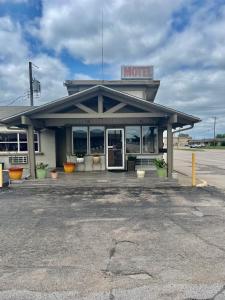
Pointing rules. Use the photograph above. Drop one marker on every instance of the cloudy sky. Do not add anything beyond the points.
(183, 39)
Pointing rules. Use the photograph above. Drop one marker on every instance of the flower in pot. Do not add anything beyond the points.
(161, 169)
(80, 157)
(15, 173)
(69, 167)
(54, 174)
(41, 170)
(96, 159)
(131, 162)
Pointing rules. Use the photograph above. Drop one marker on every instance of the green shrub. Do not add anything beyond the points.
(41, 165)
(160, 163)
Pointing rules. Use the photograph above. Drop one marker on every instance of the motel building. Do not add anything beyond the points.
(111, 119)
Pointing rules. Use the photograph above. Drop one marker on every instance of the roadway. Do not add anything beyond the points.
(210, 165)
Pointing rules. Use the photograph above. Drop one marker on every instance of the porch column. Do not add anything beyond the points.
(169, 150)
(31, 150)
(68, 141)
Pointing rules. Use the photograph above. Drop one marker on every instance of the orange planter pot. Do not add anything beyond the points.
(69, 167)
(15, 173)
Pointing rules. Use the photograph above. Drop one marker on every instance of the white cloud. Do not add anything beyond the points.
(130, 30)
(14, 57)
(82, 76)
(190, 62)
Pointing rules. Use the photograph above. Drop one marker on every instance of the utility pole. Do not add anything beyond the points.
(31, 84)
(214, 131)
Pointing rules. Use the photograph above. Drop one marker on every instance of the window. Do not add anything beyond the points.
(8, 142)
(150, 139)
(80, 140)
(97, 139)
(133, 139)
(16, 142)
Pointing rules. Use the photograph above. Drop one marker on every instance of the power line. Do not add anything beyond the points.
(14, 100)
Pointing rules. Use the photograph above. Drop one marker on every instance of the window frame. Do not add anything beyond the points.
(18, 142)
(89, 138)
(125, 140)
(74, 152)
(157, 139)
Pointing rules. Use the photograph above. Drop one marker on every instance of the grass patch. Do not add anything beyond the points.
(215, 147)
(191, 149)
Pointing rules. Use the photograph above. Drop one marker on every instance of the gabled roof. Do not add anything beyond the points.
(7, 111)
(94, 91)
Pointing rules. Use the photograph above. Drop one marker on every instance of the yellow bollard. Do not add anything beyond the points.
(1, 176)
(193, 170)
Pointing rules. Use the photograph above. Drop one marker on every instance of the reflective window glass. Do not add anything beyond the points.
(150, 139)
(97, 139)
(133, 138)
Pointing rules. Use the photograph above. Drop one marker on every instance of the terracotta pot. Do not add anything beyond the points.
(69, 167)
(96, 160)
(15, 173)
(54, 175)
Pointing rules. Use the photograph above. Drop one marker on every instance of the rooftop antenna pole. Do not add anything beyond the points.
(102, 47)
(31, 84)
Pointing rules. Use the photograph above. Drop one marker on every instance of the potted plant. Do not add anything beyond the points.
(54, 174)
(41, 170)
(15, 173)
(161, 169)
(96, 159)
(131, 162)
(80, 157)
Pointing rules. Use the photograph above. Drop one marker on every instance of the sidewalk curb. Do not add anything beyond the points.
(203, 183)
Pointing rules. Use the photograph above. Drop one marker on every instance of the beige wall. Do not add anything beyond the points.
(46, 155)
(47, 147)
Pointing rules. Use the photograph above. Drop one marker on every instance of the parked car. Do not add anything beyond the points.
(194, 146)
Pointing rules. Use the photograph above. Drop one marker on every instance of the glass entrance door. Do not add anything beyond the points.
(115, 149)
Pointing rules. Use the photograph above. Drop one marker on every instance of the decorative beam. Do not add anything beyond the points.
(25, 120)
(36, 123)
(99, 115)
(100, 122)
(116, 108)
(85, 108)
(173, 119)
(100, 103)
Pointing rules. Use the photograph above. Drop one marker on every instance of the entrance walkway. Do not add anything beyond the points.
(103, 179)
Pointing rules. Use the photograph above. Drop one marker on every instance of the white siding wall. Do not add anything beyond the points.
(47, 150)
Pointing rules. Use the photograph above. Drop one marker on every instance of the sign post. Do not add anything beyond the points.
(193, 170)
(1, 176)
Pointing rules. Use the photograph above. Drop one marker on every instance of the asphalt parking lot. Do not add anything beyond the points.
(112, 243)
(210, 164)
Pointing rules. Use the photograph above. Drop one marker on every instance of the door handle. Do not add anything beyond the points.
(110, 147)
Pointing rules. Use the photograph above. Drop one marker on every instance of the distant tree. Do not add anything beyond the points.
(220, 136)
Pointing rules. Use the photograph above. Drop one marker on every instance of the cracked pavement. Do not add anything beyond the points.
(112, 243)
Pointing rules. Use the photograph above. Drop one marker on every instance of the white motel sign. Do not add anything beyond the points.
(136, 72)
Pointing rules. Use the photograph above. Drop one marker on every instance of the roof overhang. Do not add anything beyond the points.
(177, 118)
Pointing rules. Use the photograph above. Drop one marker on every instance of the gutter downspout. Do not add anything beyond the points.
(184, 129)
